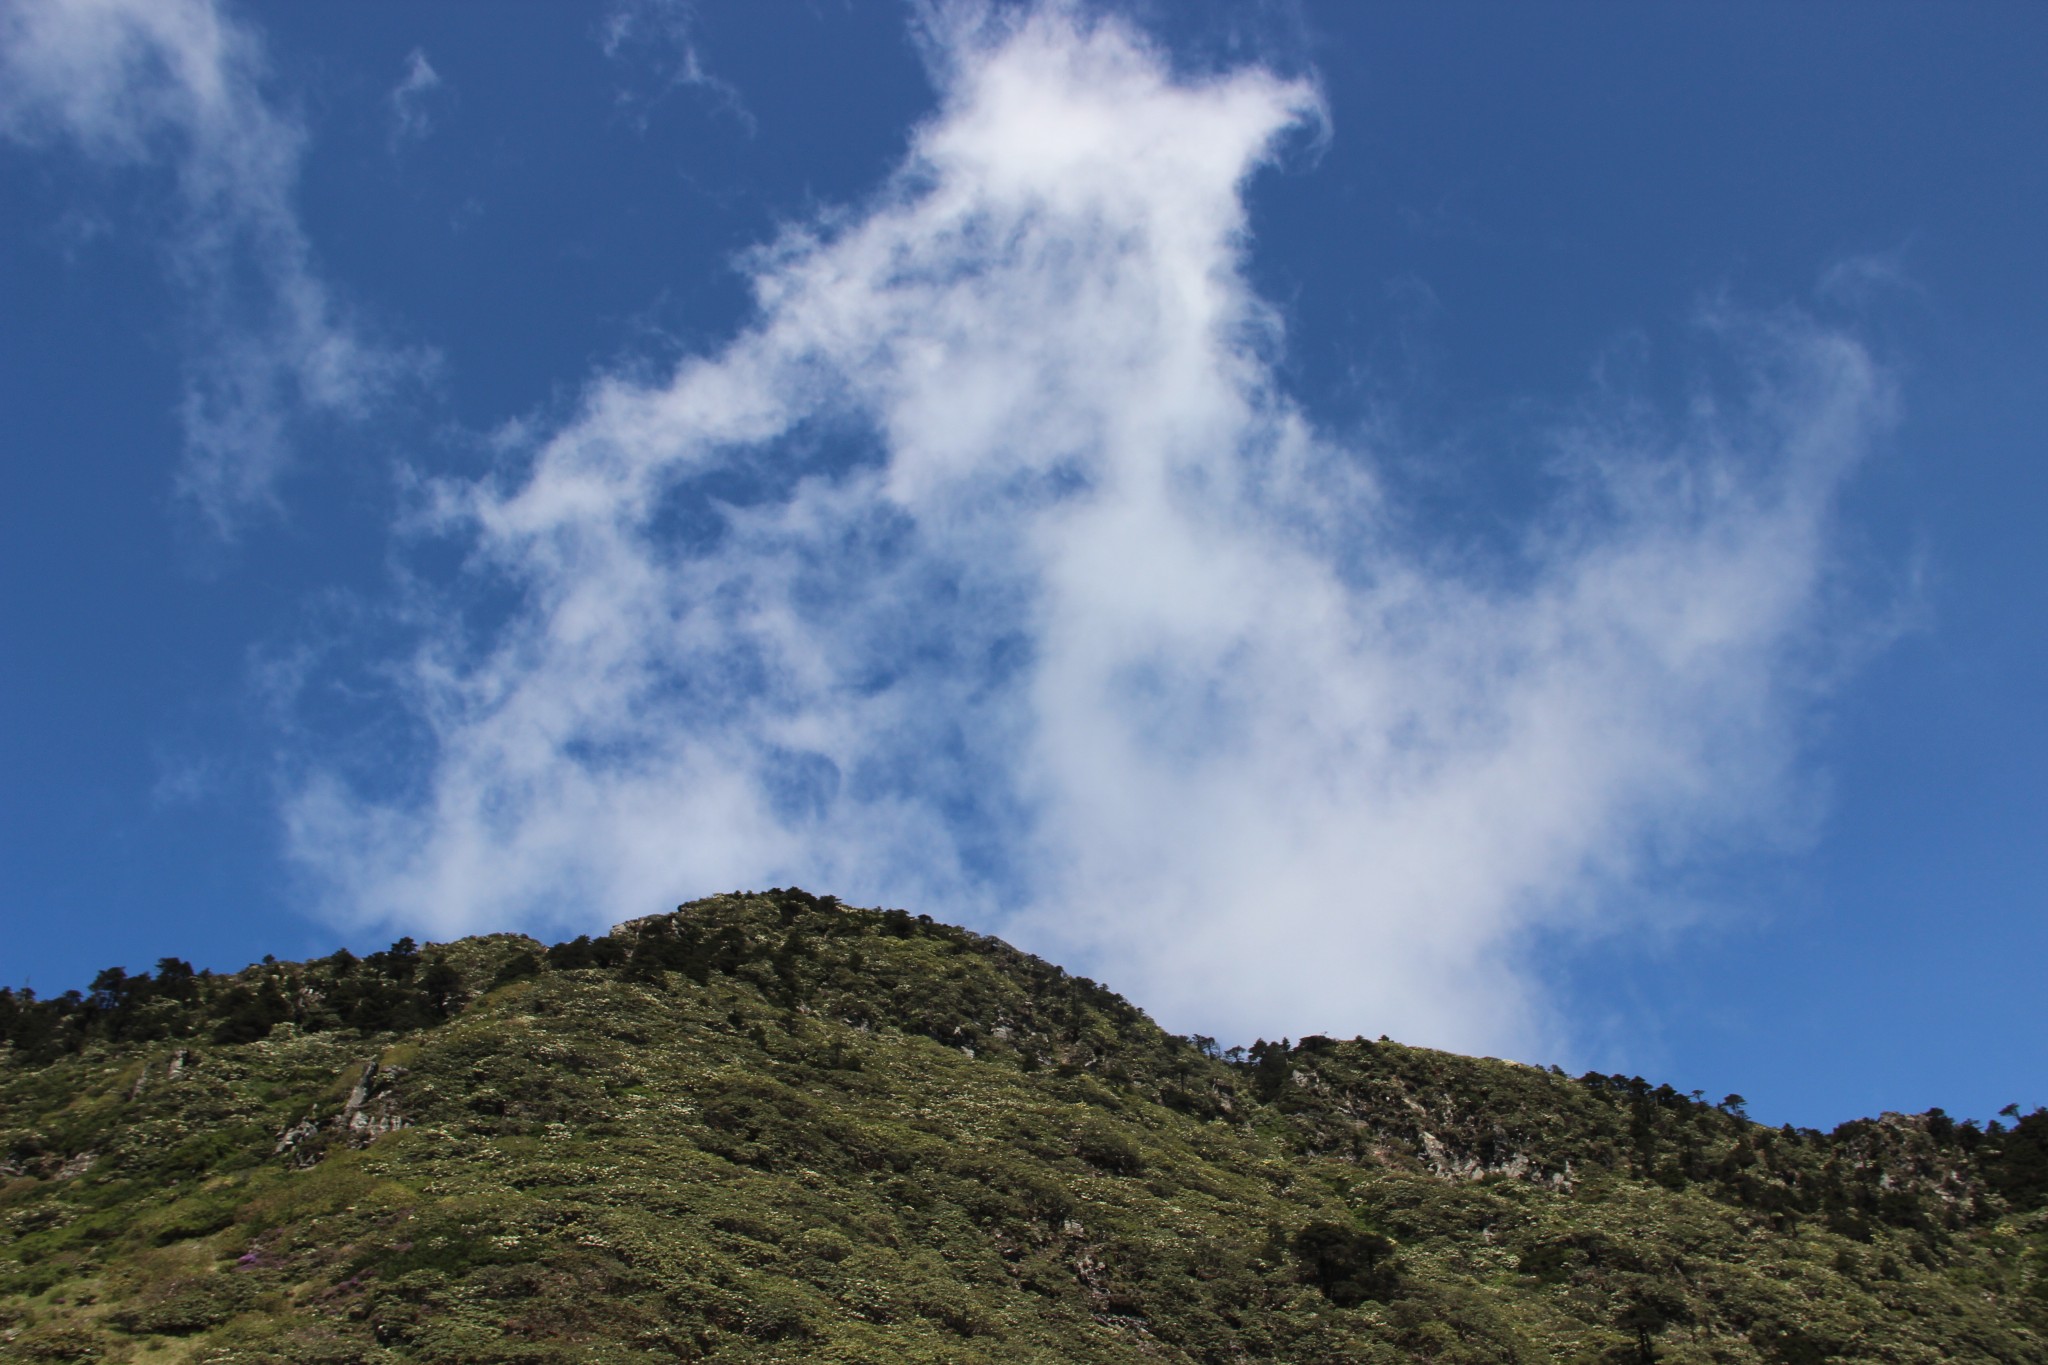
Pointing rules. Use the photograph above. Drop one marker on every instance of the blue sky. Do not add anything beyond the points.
(1513, 528)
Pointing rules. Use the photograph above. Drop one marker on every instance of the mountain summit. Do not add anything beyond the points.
(770, 1127)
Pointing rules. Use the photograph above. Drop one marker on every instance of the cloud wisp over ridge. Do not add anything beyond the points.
(180, 84)
(991, 571)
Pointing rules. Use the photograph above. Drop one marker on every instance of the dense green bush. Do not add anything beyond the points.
(1349, 1264)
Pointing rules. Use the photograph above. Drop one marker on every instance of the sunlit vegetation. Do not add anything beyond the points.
(770, 1127)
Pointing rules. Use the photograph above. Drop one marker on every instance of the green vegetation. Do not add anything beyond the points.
(770, 1128)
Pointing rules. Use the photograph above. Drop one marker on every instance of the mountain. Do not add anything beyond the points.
(770, 1127)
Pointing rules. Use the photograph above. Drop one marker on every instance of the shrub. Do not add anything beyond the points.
(1349, 1264)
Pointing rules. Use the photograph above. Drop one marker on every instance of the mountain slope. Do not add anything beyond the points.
(770, 1127)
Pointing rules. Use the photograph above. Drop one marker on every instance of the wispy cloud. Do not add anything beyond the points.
(180, 84)
(658, 39)
(992, 572)
(408, 99)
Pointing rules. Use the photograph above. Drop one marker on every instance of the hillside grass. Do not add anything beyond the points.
(773, 1128)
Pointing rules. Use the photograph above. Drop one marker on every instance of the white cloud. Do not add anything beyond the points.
(1098, 642)
(180, 83)
(408, 99)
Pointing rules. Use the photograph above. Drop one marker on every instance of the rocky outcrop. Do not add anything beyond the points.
(370, 1111)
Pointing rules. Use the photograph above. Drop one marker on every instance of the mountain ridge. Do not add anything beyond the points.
(800, 1130)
